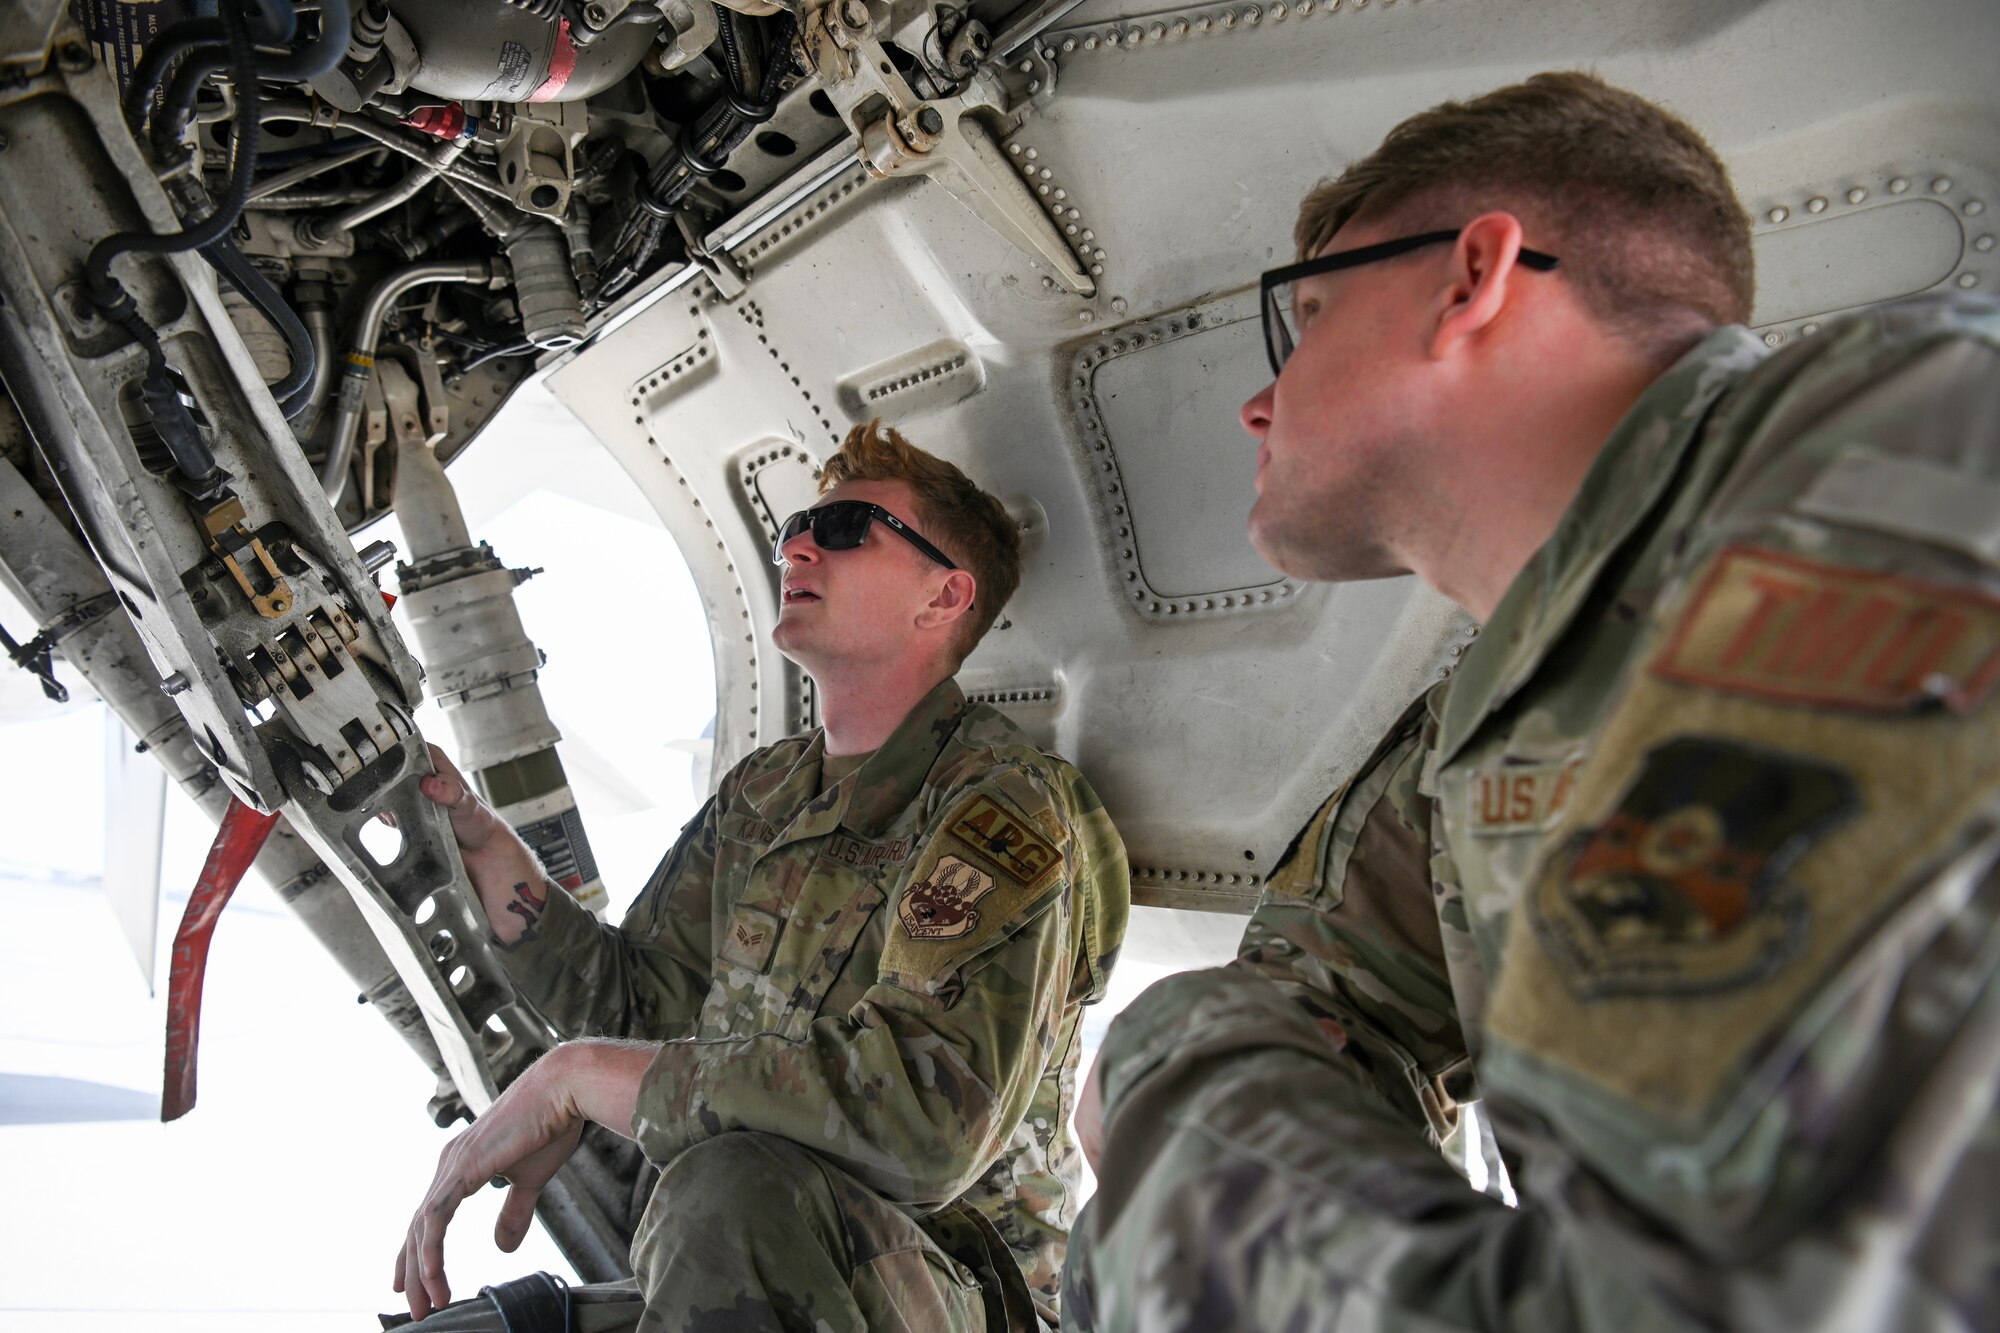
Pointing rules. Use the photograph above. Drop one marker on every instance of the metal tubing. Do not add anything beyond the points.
(439, 162)
(410, 145)
(284, 180)
(318, 320)
(361, 357)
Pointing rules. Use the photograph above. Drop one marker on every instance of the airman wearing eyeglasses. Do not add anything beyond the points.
(1689, 869)
(842, 1018)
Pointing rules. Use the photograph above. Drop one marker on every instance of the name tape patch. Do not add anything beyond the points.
(1779, 626)
(1521, 798)
(853, 852)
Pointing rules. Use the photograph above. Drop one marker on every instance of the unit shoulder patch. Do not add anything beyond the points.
(986, 868)
(1779, 626)
(944, 904)
(1682, 889)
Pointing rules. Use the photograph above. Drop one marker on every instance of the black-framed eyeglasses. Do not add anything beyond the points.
(842, 525)
(1279, 335)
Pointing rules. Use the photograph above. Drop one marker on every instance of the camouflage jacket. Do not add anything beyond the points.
(1707, 823)
(890, 973)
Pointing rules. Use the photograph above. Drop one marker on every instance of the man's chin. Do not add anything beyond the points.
(1311, 557)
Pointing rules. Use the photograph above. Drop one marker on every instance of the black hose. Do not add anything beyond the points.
(160, 391)
(104, 288)
(308, 61)
(276, 24)
(294, 391)
(729, 120)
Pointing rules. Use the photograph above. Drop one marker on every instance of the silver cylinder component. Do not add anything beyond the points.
(545, 286)
(481, 667)
(475, 49)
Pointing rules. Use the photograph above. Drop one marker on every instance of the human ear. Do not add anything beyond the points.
(952, 600)
(1482, 261)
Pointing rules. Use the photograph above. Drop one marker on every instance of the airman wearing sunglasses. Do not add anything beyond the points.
(1689, 868)
(843, 1016)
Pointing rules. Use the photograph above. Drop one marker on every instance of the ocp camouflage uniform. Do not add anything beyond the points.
(1710, 814)
(870, 998)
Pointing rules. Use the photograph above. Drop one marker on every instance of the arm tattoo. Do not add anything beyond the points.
(527, 903)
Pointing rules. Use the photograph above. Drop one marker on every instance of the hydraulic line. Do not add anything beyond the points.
(350, 151)
(705, 147)
(361, 358)
(438, 162)
(410, 145)
(293, 391)
(318, 319)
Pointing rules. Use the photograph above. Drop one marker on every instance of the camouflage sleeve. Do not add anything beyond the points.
(1745, 1026)
(645, 979)
(1349, 928)
(915, 1089)
(1753, 985)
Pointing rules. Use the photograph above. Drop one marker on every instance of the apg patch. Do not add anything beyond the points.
(943, 905)
(1779, 626)
(1682, 888)
(1012, 843)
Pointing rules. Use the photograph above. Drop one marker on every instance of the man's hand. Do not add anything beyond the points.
(512, 888)
(525, 1136)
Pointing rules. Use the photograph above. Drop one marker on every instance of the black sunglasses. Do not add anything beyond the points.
(843, 525)
(1279, 336)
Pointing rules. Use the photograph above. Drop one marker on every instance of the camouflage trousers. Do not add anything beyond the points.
(749, 1233)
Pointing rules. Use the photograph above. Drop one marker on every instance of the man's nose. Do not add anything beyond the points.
(801, 549)
(1256, 414)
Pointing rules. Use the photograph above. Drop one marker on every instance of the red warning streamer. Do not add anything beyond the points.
(237, 843)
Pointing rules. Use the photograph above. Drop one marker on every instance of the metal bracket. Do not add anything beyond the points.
(944, 138)
(718, 263)
(235, 546)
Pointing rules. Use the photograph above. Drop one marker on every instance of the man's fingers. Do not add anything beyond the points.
(430, 1257)
(449, 792)
(472, 820)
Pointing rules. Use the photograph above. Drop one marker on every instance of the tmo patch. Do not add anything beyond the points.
(942, 905)
(1682, 889)
(1778, 626)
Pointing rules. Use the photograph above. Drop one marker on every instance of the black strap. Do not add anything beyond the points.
(537, 1303)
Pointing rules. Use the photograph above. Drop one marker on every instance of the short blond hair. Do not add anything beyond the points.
(972, 527)
(1633, 201)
